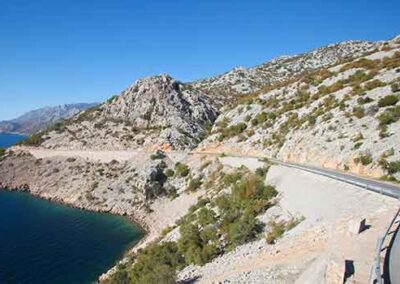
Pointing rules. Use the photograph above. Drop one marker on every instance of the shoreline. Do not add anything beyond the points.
(133, 221)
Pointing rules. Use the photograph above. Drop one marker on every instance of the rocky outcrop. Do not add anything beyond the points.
(154, 112)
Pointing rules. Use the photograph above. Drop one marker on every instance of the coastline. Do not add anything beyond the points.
(133, 220)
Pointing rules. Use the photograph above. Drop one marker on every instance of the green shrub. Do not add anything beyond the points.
(311, 119)
(157, 155)
(364, 158)
(260, 118)
(389, 100)
(357, 145)
(358, 111)
(364, 100)
(232, 178)
(360, 63)
(245, 229)
(373, 84)
(390, 115)
(194, 184)
(32, 140)
(232, 131)
(156, 264)
(262, 172)
(277, 229)
(181, 170)
(195, 247)
(395, 87)
(2, 151)
(206, 216)
(169, 172)
(391, 167)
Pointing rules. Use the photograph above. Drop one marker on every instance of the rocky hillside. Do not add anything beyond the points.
(228, 86)
(155, 112)
(345, 116)
(216, 218)
(40, 119)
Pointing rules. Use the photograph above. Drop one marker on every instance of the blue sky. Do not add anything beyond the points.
(64, 51)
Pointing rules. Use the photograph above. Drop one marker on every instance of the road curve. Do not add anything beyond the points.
(366, 183)
(377, 186)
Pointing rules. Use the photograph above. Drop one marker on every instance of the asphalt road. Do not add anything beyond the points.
(366, 183)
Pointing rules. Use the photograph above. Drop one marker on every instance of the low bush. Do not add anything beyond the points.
(2, 151)
(32, 140)
(358, 111)
(373, 84)
(390, 115)
(169, 172)
(194, 184)
(157, 155)
(156, 264)
(277, 229)
(364, 158)
(232, 131)
(181, 170)
(389, 100)
(390, 167)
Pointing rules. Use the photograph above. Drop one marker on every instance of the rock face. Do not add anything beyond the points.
(154, 112)
(343, 117)
(40, 119)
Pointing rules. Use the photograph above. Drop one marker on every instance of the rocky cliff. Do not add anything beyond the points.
(152, 113)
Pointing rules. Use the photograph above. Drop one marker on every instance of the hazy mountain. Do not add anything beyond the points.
(40, 119)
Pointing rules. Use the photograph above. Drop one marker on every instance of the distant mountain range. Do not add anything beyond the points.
(39, 119)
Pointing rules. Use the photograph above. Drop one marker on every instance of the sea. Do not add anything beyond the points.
(44, 242)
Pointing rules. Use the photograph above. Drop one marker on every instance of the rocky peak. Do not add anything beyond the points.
(154, 85)
(154, 111)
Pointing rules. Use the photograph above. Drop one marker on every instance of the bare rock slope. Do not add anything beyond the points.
(153, 112)
(239, 81)
(345, 117)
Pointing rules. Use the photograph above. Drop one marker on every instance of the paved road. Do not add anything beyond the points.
(381, 187)
(366, 183)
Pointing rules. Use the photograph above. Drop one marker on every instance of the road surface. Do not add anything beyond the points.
(366, 183)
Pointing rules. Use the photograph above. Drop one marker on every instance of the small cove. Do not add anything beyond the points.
(45, 242)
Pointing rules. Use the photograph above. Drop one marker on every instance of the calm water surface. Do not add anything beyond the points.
(43, 242)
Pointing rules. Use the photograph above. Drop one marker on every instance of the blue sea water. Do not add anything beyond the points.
(6, 140)
(43, 242)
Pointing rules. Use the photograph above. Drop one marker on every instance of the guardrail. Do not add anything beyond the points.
(376, 274)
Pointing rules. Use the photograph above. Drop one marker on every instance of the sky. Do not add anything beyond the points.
(67, 51)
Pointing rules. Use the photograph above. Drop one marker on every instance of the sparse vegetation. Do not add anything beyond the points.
(32, 140)
(390, 115)
(277, 229)
(181, 170)
(194, 184)
(358, 111)
(169, 172)
(389, 100)
(364, 158)
(232, 131)
(158, 155)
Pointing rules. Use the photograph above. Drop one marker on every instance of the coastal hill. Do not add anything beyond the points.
(39, 119)
(184, 160)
